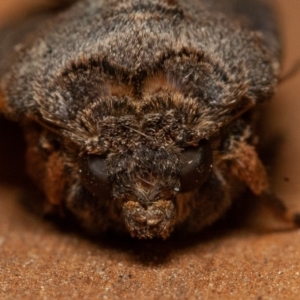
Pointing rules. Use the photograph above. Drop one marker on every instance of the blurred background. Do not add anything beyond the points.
(14, 9)
(283, 113)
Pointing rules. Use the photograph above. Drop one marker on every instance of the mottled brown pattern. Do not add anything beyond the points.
(123, 93)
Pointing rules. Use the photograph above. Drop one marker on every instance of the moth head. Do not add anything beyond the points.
(146, 183)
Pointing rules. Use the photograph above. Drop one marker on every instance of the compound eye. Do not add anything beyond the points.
(196, 166)
(94, 175)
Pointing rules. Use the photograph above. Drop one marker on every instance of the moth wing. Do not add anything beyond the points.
(257, 15)
(12, 37)
(15, 32)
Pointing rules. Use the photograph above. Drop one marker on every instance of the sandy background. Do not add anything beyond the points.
(39, 261)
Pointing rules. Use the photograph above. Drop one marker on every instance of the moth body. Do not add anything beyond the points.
(139, 115)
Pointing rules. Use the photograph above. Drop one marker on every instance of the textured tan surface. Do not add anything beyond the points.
(38, 261)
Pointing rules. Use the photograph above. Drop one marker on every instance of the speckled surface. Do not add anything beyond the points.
(39, 261)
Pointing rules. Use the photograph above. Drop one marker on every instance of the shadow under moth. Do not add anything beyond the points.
(140, 115)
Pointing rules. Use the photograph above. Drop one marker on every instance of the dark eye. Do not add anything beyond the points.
(94, 175)
(196, 166)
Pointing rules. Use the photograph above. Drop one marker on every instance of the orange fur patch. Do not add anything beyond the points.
(2, 102)
(54, 179)
(158, 83)
(247, 166)
(184, 204)
(119, 90)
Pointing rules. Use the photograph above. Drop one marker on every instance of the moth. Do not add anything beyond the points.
(140, 115)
